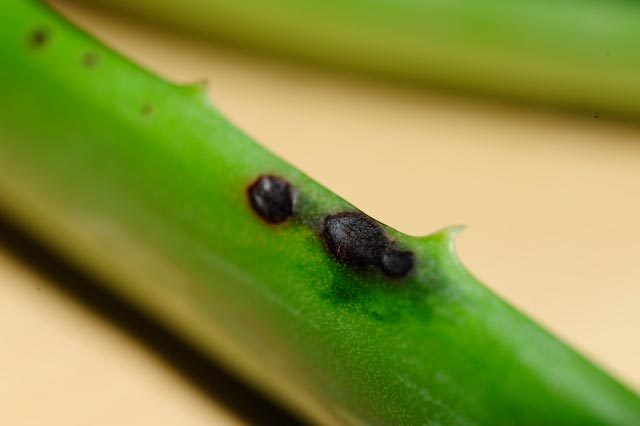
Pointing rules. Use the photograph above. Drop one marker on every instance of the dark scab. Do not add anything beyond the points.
(90, 59)
(39, 37)
(356, 240)
(396, 264)
(596, 114)
(272, 198)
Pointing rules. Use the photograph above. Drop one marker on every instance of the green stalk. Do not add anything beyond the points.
(570, 53)
(144, 183)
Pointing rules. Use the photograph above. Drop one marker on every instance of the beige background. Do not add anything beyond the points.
(550, 200)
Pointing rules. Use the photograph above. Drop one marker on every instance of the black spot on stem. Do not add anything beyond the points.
(356, 240)
(396, 264)
(272, 198)
(352, 238)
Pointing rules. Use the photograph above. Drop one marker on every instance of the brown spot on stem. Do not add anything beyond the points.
(90, 59)
(39, 37)
(146, 109)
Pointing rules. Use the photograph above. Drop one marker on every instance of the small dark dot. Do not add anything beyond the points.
(146, 109)
(90, 59)
(39, 37)
(596, 114)
(354, 238)
(396, 264)
(272, 198)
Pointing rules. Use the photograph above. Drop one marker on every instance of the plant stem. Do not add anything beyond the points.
(568, 53)
(341, 318)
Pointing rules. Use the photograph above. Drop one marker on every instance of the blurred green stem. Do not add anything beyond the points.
(568, 53)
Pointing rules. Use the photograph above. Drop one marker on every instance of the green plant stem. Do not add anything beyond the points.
(144, 183)
(568, 53)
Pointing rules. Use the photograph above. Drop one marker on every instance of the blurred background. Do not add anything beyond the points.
(549, 198)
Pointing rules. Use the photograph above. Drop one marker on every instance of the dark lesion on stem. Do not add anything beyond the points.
(352, 238)
(90, 59)
(355, 239)
(38, 37)
(272, 198)
(146, 109)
